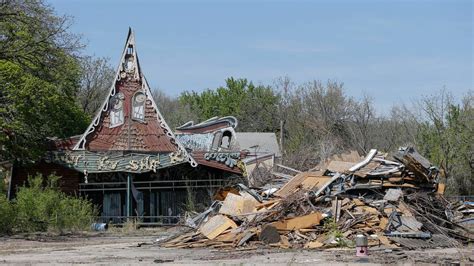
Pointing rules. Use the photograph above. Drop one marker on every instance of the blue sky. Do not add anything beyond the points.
(393, 51)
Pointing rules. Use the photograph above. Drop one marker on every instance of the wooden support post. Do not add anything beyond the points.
(129, 200)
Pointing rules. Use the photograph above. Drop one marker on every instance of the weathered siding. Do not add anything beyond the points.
(69, 183)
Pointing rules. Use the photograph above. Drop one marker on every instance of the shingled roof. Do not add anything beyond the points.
(129, 119)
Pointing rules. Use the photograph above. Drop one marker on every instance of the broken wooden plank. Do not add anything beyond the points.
(312, 182)
(336, 209)
(295, 183)
(246, 236)
(216, 225)
(236, 205)
(306, 221)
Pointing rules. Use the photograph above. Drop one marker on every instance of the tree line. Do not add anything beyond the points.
(49, 88)
(316, 120)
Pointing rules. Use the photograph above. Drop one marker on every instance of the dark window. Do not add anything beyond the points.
(226, 139)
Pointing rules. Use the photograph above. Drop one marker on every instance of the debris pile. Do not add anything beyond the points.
(395, 203)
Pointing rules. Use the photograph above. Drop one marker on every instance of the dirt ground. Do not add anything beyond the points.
(115, 247)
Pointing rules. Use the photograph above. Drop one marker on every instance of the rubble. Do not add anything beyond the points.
(393, 203)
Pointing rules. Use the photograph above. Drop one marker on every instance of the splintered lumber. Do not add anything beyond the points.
(323, 187)
(306, 221)
(246, 236)
(336, 208)
(351, 157)
(291, 186)
(312, 182)
(376, 198)
(416, 163)
(266, 203)
(216, 226)
(366, 209)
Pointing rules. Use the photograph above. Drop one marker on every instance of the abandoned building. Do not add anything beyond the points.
(130, 163)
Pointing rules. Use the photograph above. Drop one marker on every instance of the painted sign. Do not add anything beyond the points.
(228, 158)
(92, 162)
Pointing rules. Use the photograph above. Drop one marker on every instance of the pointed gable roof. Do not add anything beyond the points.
(129, 119)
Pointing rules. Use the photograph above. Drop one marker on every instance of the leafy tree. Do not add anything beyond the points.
(446, 136)
(174, 113)
(254, 106)
(39, 77)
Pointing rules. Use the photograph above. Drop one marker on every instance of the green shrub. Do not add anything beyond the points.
(7, 215)
(42, 208)
(73, 214)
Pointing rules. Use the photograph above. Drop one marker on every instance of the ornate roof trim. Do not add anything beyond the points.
(231, 120)
(81, 144)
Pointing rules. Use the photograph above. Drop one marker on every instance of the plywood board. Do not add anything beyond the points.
(291, 186)
(232, 205)
(216, 226)
(306, 221)
(312, 182)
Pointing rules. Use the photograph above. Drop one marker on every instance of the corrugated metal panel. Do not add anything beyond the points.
(436, 241)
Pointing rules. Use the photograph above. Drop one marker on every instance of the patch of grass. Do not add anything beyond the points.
(130, 226)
